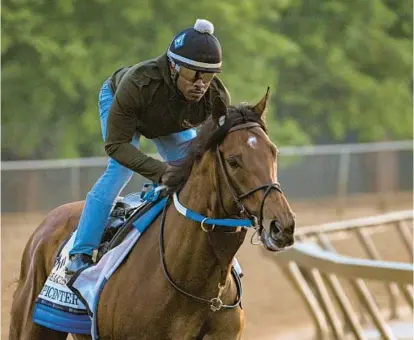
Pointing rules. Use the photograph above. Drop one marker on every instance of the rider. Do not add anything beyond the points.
(163, 99)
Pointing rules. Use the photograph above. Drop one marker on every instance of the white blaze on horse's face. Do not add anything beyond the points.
(252, 141)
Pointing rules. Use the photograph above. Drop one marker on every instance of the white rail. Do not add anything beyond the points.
(309, 255)
(333, 149)
(356, 223)
(314, 266)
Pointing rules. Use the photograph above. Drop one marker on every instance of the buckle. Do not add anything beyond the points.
(148, 192)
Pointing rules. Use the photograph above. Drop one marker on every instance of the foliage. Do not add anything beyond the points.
(336, 69)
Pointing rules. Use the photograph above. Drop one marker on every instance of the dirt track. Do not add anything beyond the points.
(272, 306)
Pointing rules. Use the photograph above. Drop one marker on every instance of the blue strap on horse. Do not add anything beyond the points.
(151, 192)
(222, 222)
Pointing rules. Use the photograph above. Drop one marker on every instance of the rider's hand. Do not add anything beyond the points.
(167, 175)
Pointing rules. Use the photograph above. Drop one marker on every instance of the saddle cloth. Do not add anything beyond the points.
(70, 306)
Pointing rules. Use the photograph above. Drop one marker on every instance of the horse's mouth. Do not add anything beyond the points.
(282, 242)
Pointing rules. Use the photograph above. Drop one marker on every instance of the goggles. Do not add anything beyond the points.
(192, 76)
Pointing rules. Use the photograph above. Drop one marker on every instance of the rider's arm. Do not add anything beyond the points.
(122, 124)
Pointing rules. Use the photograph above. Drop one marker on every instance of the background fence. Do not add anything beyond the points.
(306, 173)
(355, 276)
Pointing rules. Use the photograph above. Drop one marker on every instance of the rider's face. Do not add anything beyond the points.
(193, 84)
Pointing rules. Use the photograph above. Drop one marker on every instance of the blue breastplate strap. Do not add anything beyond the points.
(151, 192)
(223, 222)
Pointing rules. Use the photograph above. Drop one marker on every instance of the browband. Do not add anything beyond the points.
(244, 126)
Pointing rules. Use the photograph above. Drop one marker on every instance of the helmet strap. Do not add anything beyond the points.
(174, 70)
(174, 73)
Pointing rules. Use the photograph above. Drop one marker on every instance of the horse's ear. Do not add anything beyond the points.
(219, 111)
(260, 107)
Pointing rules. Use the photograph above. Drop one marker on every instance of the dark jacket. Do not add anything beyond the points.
(146, 102)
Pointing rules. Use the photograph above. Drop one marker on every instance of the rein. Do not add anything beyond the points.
(216, 303)
(252, 220)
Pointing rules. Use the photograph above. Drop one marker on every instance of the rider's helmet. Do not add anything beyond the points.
(196, 48)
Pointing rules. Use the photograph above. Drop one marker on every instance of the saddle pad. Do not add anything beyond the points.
(73, 309)
(57, 307)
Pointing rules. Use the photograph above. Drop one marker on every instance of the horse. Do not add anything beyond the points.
(177, 281)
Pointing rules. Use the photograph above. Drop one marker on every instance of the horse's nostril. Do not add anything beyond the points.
(275, 229)
(276, 225)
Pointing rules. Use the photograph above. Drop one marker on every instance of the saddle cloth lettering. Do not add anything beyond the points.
(70, 307)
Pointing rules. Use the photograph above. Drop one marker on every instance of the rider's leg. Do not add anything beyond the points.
(100, 199)
(174, 148)
(98, 205)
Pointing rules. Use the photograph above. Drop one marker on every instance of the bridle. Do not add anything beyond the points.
(216, 303)
(237, 199)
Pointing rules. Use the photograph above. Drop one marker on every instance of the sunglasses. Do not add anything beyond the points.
(192, 76)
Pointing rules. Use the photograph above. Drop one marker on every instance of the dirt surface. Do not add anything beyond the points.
(273, 308)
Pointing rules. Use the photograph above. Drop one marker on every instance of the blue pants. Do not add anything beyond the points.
(100, 199)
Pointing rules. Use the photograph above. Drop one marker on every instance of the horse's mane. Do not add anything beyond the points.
(208, 137)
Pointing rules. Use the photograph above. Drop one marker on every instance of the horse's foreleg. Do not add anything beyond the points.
(226, 325)
(203, 331)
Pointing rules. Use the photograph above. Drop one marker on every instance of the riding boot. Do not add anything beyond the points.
(89, 233)
(77, 262)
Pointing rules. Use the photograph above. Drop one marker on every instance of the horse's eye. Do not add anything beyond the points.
(232, 161)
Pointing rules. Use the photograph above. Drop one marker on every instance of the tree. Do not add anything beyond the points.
(353, 74)
(334, 67)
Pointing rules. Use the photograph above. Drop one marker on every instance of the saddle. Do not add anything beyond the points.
(125, 212)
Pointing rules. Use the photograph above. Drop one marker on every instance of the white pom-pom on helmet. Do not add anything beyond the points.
(197, 48)
(204, 26)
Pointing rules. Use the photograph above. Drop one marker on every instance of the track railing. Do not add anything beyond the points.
(355, 276)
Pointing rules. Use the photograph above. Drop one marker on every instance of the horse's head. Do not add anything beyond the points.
(235, 156)
(247, 160)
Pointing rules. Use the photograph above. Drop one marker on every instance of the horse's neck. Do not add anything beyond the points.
(193, 256)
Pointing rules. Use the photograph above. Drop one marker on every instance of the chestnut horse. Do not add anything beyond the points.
(177, 283)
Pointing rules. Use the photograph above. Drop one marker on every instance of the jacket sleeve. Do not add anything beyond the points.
(122, 124)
